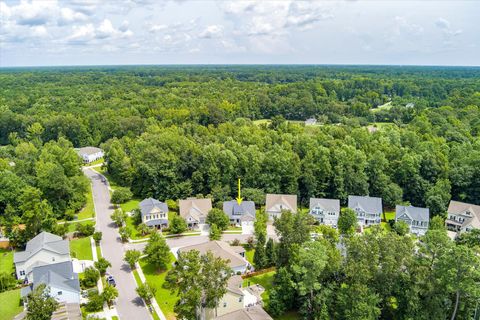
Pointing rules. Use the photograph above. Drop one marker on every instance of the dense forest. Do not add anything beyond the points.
(173, 132)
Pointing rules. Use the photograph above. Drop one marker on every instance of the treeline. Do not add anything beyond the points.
(375, 275)
(89, 106)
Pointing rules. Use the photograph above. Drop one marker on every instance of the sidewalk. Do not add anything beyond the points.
(154, 301)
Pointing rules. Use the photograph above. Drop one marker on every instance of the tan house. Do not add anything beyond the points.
(231, 301)
(44, 249)
(462, 216)
(249, 313)
(235, 254)
(194, 210)
(276, 203)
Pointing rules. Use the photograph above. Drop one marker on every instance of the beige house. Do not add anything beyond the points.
(235, 254)
(45, 248)
(250, 313)
(462, 216)
(194, 210)
(276, 203)
(231, 301)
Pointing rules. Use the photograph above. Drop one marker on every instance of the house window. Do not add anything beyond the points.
(224, 304)
(240, 299)
(22, 273)
(59, 293)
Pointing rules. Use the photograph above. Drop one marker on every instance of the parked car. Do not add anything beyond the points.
(111, 281)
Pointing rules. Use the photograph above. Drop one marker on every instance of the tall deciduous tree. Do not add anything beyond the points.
(157, 251)
(41, 304)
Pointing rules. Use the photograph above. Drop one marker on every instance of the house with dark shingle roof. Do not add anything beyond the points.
(416, 218)
(154, 213)
(276, 203)
(59, 278)
(462, 216)
(45, 248)
(369, 210)
(239, 212)
(325, 211)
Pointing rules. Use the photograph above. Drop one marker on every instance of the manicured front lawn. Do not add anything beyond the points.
(81, 249)
(88, 211)
(135, 234)
(165, 299)
(6, 261)
(249, 255)
(130, 205)
(10, 304)
(72, 225)
(265, 280)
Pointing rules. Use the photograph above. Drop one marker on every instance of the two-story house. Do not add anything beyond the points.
(369, 210)
(325, 211)
(45, 248)
(462, 216)
(245, 211)
(276, 203)
(154, 213)
(59, 278)
(194, 210)
(90, 154)
(416, 218)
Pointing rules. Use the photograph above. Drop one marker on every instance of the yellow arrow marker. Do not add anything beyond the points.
(239, 198)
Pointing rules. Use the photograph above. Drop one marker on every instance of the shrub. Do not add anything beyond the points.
(102, 264)
(90, 277)
(85, 230)
(177, 225)
(95, 302)
(97, 236)
(121, 195)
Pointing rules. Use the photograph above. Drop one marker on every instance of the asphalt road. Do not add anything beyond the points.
(129, 305)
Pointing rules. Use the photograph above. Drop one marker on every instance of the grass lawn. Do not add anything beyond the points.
(99, 252)
(130, 205)
(98, 161)
(265, 280)
(249, 255)
(233, 228)
(389, 215)
(6, 261)
(135, 234)
(10, 304)
(81, 249)
(165, 299)
(72, 225)
(88, 211)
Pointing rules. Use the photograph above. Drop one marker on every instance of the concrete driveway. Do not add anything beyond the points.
(129, 305)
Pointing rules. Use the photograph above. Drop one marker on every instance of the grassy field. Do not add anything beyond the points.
(81, 249)
(389, 215)
(166, 300)
(6, 261)
(10, 304)
(88, 211)
(130, 205)
(72, 225)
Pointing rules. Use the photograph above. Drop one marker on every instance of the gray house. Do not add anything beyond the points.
(368, 209)
(239, 212)
(325, 211)
(59, 278)
(154, 213)
(45, 248)
(416, 218)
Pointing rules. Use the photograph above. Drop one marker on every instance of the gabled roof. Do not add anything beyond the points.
(219, 249)
(196, 208)
(147, 205)
(329, 205)
(249, 313)
(233, 208)
(415, 213)
(367, 204)
(58, 275)
(234, 285)
(42, 241)
(279, 202)
(460, 208)
(88, 151)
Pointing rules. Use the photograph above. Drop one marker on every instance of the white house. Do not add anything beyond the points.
(325, 211)
(416, 218)
(45, 248)
(59, 278)
(369, 210)
(90, 154)
(235, 254)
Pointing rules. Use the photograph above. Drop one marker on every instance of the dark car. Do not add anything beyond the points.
(111, 281)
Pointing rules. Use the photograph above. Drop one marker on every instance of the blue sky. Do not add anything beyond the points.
(97, 32)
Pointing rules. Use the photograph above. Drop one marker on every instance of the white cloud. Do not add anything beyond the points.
(158, 27)
(68, 15)
(88, 32)
(212, 31)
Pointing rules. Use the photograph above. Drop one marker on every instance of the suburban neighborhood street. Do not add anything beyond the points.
(129, 305)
